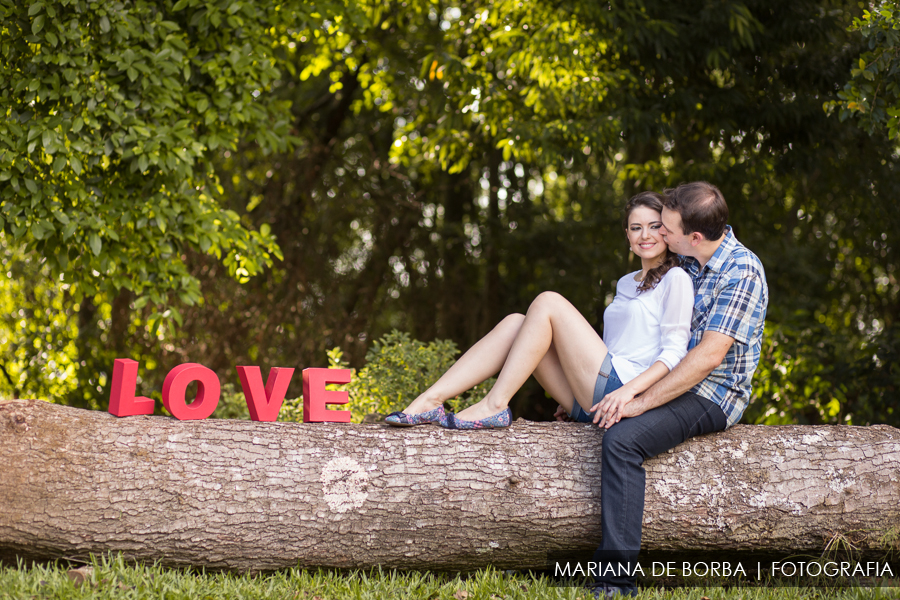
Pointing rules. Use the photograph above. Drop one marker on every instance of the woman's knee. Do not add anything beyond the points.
(511, 323)
(508, 328)
(547, 301)
(515, 319)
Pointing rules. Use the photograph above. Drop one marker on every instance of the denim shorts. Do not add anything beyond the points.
(607, 381)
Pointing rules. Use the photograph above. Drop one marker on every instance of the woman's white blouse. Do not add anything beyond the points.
(640, 329)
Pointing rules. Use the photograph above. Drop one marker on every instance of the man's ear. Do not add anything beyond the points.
(696, 238)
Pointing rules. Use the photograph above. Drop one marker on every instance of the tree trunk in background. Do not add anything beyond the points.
(491, 298)
(456, 308)
(120, 319)
(255, 496)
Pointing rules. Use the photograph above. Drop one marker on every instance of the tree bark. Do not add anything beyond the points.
(255, 496)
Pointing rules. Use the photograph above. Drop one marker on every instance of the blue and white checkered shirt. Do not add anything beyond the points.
(730, 297)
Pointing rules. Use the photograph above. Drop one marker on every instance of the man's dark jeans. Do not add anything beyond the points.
(625, 447)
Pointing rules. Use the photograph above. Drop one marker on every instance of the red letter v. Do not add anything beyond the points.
(264, 404)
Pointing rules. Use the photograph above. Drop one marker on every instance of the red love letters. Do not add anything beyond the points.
(122, 402)
(314, 382)
(263, 403)
(175, 388)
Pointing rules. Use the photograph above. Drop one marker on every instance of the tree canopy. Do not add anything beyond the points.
(873, 92)
(112, 114)
(294, 177)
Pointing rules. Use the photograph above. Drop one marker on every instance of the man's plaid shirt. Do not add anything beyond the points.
(730, 297)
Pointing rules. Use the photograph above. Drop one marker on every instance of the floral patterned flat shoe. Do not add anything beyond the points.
(401, 419)
(501, 419)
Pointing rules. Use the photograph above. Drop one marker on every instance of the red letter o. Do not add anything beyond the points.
(175, 387)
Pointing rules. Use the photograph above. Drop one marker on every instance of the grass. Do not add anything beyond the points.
(113, 578)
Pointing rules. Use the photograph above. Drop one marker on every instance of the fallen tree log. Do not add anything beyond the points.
(255, 496)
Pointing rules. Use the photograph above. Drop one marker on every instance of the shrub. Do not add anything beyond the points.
(397, 370)
(232, 404)
(291, 410)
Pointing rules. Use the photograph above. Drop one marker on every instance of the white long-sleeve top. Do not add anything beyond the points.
(642, 328)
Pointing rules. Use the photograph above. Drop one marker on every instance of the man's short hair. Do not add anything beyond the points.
(701, 206)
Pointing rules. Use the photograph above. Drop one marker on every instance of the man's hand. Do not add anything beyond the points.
(628, 402)
(615, 405)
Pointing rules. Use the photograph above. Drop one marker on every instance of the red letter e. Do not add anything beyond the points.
(315, 396)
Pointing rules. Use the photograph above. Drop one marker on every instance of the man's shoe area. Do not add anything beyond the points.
(604, 590)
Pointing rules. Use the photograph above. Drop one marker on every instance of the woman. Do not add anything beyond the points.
(646, 331)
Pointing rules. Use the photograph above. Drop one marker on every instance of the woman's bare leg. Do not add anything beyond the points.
(481, 361)
(550, 375)
(551, 321)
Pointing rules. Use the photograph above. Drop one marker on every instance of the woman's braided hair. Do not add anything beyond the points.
(652, 200)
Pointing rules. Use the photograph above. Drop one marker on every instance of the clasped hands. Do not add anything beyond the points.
(619, 403)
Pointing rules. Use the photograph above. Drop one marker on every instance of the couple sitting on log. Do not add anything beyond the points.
(682, 339)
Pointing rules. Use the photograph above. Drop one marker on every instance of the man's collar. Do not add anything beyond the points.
(717, 260)
(723, 251)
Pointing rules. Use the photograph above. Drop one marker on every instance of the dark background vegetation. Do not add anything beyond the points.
(429, 167)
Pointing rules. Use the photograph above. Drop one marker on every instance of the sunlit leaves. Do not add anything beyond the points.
(873, 93)
(110, 120)
(37, 336)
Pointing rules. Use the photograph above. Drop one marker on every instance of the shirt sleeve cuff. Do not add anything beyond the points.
(740, 337)
(670, 358)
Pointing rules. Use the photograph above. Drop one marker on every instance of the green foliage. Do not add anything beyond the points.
(109, 115)
(291, 410)
(815, 375)
(873, 92)
(890, 542)
(37, 339)
(56, 348)
(530, 80)
(397, 370)
(232, 403)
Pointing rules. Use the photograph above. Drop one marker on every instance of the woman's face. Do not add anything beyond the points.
(644, 235)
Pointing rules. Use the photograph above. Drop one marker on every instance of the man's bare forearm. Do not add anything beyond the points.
(693, 368)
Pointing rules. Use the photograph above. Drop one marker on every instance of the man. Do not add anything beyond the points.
(706, 392)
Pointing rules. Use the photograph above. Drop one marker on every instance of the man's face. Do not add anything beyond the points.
(672, 233)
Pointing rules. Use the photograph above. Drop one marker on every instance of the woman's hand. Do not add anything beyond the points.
(611, 409)
(562, 415)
